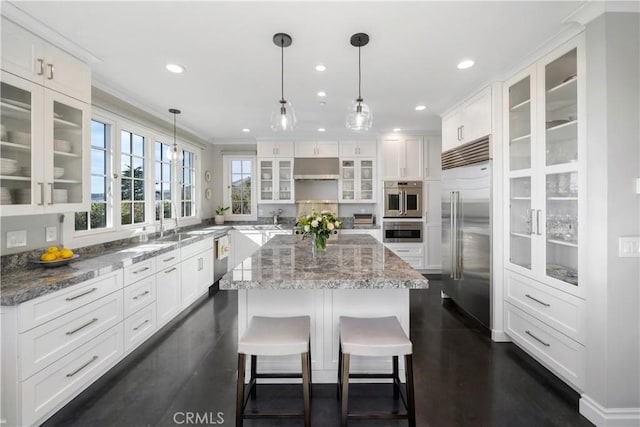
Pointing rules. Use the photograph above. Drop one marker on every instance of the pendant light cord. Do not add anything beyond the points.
(282, 66)
(359, 74)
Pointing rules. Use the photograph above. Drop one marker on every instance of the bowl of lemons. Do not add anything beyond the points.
(56, 257)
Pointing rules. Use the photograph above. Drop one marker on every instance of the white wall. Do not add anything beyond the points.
(613, 164)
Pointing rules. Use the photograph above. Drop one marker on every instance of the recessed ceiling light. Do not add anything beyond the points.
(467, 63)
(246, 130)
(421, 107)
(322, 103)
(397, 129)
(321, 129)
(320, 67)
(175, 68)
(322, 93)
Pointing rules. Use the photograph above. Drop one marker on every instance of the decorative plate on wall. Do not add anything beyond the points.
(207, 193)
(207, 176)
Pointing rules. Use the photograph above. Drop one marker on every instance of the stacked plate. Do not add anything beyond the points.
(60, 195)
(22, 138)
(8, 166)
(62, 145)
(57, 173)
(23, 196)
(5, 196)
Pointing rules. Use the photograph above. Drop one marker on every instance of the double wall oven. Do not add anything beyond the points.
(402, 200)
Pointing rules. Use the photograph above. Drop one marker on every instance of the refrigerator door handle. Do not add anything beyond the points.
(452, 241)
(458, 274)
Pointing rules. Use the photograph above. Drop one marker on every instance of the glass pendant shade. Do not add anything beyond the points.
(283, 117)
(173, 152)
(359, 117)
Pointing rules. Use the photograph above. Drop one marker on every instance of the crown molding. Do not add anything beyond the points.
(591, 10)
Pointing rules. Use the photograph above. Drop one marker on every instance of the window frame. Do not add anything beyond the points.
(226, 185)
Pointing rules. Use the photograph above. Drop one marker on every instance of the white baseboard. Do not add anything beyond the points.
(608, 417)
(500, 336)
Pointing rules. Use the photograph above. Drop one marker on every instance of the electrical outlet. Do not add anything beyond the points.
(629, 247)
(51, 234)
(16, 239)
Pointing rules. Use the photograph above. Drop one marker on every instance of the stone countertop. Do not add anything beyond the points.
(349, 262)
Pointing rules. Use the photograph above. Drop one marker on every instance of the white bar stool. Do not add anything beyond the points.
(376, 336)
(274, 336)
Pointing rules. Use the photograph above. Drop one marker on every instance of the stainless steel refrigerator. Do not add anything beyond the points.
(466, 229)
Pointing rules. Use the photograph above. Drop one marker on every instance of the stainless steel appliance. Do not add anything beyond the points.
(402, 232)
(317, 168)
(221, 249)
(403, 199)
(466, 228)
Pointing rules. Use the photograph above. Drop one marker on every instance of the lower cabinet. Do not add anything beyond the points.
(412, 253)
(138, 327)
(168, 290)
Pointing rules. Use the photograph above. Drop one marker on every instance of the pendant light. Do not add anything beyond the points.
(360, 117)
(283, 118)
(174, 153)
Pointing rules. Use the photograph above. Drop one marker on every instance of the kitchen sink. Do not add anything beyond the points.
(175, 237)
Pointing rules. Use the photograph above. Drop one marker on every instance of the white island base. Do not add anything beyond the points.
(324, 306)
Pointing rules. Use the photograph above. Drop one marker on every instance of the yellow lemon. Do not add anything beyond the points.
(66, 253)
(47, 256)
(52, 249)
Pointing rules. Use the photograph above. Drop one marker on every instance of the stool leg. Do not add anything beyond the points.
(254, 369)
(240, 390)
(396, 378)
(345, 389)
(411, 410)
(306, 388)
(339, 370)
(310, 372)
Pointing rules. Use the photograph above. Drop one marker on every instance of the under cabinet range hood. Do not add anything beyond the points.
(316, 168)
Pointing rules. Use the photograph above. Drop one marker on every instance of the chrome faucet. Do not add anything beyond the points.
(161, 205)
(175, 217)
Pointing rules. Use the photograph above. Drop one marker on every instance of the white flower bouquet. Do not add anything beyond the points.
(319, 226)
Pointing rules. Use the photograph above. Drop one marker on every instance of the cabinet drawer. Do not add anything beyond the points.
(194, 248)
(139, 327)
(61, 381)
(558, 352)
(561, 311)
(167, 259)
(139, 270)
(45, 344)
(39, 310)
(139, 294)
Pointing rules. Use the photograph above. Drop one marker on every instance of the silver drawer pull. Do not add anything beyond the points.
(93, 359)
(168, 259)
(95, 319)
(537, 300)
(81, 295)
(141, 325)
(141, 295)
(546, 344)
(170, 270)
(141, 270)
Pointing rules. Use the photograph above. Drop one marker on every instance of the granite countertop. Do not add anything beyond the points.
(349, 262)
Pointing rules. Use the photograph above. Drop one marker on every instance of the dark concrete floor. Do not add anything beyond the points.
(462, 378)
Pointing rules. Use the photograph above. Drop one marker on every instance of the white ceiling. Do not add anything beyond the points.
(233, 68)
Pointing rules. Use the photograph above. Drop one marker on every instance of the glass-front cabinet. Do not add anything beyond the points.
(42, 160)
(544, 170)
(356, 180)
(275, 180)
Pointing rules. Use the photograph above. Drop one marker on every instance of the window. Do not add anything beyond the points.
(187, 184)
(132, 178)
(164, 174)
(100, 215)
(239, 188)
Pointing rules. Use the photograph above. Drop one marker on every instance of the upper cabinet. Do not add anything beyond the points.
(544, 169)
(357, 149)
(316, 149)
(275, 180)
(402, 157)
(357, 178)
(468, 122)
(28, 56)
(275, 149)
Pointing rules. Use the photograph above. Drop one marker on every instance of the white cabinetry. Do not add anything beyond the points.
(402, 157)
(168, 299)
(275, 180)
(468, 122)
(139, 303)
(357, 179)
(26, 55)
(375, 233)
(316, 149)
(412, 253)
(197, 270)
(545, 183)
(275, 149)
(357, 149)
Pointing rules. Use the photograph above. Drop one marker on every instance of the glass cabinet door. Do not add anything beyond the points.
(66, 183)
(520, 125)
(266, 180)
(285, 172)
(348, 178)
(366, 180)
(561, 168)
(16, 144)
(521, 221)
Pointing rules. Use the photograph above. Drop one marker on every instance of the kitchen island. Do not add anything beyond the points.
(356, 276)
